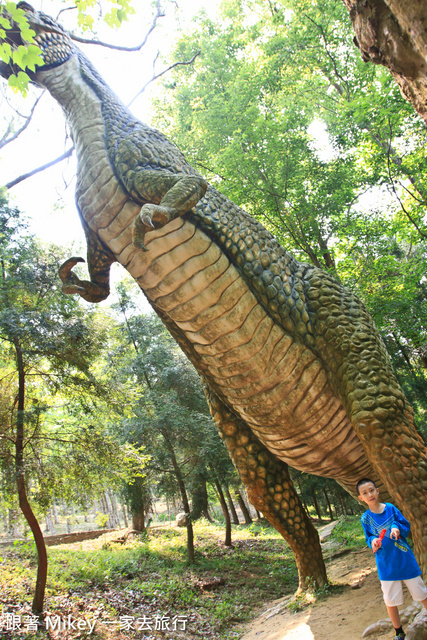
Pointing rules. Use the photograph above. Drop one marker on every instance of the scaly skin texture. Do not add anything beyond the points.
(295, 370)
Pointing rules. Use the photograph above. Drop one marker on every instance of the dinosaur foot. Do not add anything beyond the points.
(72, 284)
(151, 216)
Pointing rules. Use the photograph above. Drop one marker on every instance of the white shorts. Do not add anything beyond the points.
(393, 592)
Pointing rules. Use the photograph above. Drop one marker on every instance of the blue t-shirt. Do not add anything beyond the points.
(395, 560)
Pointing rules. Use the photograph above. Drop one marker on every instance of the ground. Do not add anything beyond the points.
(120, 577)
(343, 616)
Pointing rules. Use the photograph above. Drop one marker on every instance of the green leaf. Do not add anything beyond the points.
(4, 22)
(32, 57)
(19, 83)
(5, 52)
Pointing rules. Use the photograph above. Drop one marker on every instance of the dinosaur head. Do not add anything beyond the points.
(53, 40)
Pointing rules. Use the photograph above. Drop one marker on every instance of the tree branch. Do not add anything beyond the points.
(332, 59)
(159, 75)
(5, 140)
(24, 176)
(138, 47)
(405, 211)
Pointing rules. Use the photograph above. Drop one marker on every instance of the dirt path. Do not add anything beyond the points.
(343, 616)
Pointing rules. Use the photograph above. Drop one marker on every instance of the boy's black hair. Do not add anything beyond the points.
(364, 481)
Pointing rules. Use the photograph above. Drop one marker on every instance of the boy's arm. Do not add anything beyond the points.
(401, 523)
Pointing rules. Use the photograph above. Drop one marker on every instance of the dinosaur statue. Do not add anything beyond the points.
(294, 369)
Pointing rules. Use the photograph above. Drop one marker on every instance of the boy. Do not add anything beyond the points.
(395, 560)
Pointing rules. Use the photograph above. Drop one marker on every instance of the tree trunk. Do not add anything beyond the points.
(38, 600)
(227, 541)
(55, 513)
(108, 510)
(138, 519)
(233, 511)
(343, 507)
(316, 504)
(153, 505)
(199, 498)
(125, 517)
(136, 493)
(303, 502)
(114, 509)
(13, 525)
(243, 508)
(181, 485)
(328, 502)
(393, 33)
(49, 523)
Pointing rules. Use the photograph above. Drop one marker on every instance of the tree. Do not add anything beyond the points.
(47, 345)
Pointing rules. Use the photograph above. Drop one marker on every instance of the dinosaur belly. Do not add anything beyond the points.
(276, 384)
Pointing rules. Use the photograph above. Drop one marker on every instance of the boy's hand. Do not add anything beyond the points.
(395, 533)
(376, 544)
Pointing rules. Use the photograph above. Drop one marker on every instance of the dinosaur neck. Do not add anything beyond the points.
(79, 102)
(88, 102)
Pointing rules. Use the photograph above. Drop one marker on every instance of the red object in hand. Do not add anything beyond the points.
(380, 537)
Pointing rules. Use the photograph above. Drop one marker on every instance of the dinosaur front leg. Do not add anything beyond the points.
(271, 491)
(99, 260)
(169, 196)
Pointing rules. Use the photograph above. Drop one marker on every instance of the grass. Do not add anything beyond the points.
(149, 576)
(349, 534)
(116, 584)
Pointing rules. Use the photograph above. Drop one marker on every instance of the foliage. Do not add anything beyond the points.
(169, 415)
(25, 56)
(119, 12)
(245, 111)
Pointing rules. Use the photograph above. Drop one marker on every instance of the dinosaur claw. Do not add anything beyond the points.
(147, 221)
(151, 216)
(71, 289)
(64, 270)
(139, 230)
